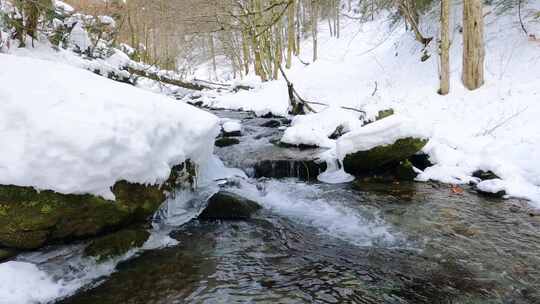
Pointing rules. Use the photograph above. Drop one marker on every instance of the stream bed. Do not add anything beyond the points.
(319, 243)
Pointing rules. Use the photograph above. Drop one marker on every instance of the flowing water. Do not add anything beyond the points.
(318, 243)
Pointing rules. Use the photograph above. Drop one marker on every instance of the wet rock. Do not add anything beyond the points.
(271, 124)
(302, 169)
(30, 219)
(226, 141)
(226, 205)
(420, 161)
(498, 194)
(404, 171)
(484, 175)
(491, 188)
(232, 129)
(116, 244)
(363, 162)
(7, 253)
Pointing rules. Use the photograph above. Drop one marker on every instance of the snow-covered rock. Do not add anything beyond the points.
(232, 128)
(380, 133)
(315, 129)
(72, 131)
(493, 187)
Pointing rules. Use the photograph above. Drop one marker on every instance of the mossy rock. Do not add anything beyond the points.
(225, 205)
(363, 162)
(404, 171)
(382, 114)
(116, 244)
(30, 219)
(226, 141)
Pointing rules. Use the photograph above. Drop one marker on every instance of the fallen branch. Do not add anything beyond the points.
(375, 90)
(163, 79)
(298, 103)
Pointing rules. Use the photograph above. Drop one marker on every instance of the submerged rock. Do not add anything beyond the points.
(116, 244)
(30, 219)
(226, 141)
(271, 124)
(226, 205)
(363, 162)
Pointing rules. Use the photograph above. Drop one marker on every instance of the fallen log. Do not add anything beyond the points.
(167, 80)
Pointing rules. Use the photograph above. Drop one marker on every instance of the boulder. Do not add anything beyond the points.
(30, 219)
(116, 244)
(362, 162)
(404, 171)
(226, 141)
(226, 205)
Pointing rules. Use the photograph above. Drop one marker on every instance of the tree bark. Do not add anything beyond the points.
(445, 48)
(314, 29)
(290, 33)
(473, 44)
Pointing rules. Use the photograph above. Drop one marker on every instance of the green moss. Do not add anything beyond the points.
(116, 244)
(30, 219)
(384, 113)
(378, 157)
(405, 171)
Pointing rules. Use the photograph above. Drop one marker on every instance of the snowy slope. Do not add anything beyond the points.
(69, 130)
(493, 128)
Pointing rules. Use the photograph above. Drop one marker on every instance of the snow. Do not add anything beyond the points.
(64, 6)
(231, 126)
(108, 20)
(79, 37)
(376, 65)
(72, 131)
(315, 129)
(22, 282)
(491, 185)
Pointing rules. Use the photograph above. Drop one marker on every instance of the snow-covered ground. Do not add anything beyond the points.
(375, 66)
(69, 130)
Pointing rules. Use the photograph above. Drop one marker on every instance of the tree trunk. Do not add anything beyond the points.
(290, 33)
(314, 29)
(473, 44)
(445, 48)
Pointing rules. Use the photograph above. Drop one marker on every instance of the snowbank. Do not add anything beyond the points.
(493, 128)
(71, 131)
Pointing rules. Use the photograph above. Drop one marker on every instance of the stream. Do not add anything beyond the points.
(317, 243)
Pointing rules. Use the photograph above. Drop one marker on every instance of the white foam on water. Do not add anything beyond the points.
(308, 204)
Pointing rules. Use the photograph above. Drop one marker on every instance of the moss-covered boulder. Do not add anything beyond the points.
(225, 205)
(404, 171)
(116, 244)
(363, 162)
(30, 219)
